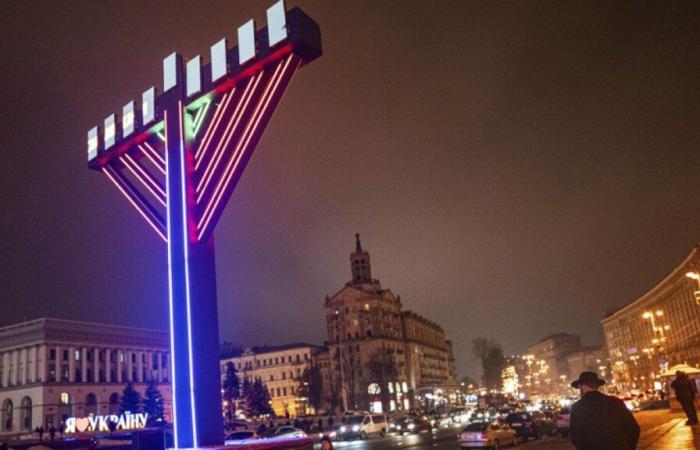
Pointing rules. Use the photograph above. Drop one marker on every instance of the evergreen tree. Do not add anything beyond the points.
(153, 405)
(130, 401)
(257, 398)
(246, 389)
(231, 388)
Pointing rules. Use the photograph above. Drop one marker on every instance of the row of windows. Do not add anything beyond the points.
(77, 356)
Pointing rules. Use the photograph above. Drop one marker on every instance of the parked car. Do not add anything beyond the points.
(241, 437)
(563, 421)
(283, 431)
(490, 435)
(363, 426)
(530, 424)
(413, 424)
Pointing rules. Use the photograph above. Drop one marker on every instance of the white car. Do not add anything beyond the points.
(489, 435)
(241, 437)
(363, 426)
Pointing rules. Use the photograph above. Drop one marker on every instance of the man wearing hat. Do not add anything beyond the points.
(599, 421)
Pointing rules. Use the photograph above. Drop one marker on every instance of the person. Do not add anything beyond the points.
(4, 446)
(52, 432)
(599, 421)
(320, 424)
(326, 443)
(686, 396)
(40, 430)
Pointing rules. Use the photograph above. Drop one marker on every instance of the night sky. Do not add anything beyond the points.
(515, 168)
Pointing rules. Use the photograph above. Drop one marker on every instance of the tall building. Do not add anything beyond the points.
(548, 363)
(660, 328)
(379, 357)
(280, 368)
(53, 369)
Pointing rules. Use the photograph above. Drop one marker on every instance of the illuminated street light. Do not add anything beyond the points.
(693, 276)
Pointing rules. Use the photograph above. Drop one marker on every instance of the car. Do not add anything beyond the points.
(413, 424)
(241, 437)
(530, 424)
(332, 433)
(363, 426)
(563, 421)
(484, 434)
(285, 431)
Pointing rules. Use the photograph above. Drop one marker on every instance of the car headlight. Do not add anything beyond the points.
(342, 429)
(320, 435)
(411, 426)
(356, 428)
(398, 427)
(333, 434)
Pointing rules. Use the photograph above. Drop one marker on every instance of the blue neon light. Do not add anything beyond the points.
(170, 290)
(183, 183)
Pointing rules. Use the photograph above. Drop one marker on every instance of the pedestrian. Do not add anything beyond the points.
(331, 421)
(326, 443)
(685, 393)
(320, 424)
(52, 432)
(599, 421)
(41, 433)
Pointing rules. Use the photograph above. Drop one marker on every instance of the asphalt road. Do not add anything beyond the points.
(443, 439)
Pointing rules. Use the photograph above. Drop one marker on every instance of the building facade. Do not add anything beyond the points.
(547, 362)
(380, 357)
(592, 359)
(280, 368)
(53, 369)
(660, 328)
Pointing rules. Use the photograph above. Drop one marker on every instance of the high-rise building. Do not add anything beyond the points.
(379, 357)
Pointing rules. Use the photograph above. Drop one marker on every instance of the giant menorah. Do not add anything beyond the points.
(177, 159)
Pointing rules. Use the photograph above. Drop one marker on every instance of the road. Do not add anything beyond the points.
(443, 439)
(653, 424)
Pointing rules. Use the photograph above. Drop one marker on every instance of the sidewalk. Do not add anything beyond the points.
(671, 434)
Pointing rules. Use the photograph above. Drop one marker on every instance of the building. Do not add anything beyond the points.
(548, 364)
(660, 328)
(592, 358)
(53, 369)
(280, 368)
(380, 357)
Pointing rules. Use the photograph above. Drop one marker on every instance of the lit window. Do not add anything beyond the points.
(77, 355)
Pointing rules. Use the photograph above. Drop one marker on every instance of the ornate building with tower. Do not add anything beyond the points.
(380, 357)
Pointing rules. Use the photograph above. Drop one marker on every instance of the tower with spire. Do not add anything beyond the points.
(359, 264)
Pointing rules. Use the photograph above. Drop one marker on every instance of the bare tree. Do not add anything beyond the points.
(383, 370)
(490, 353)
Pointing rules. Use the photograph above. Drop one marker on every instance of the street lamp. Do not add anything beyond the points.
(696, 293)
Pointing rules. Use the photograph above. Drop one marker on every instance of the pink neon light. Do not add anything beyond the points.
(215, 126)
(107, 170)
(154, 152)
(214, 123)
(233, 163)
(144, 178)
(160, 165)
(228, 134)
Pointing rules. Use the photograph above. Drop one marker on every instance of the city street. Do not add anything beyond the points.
(661, 430)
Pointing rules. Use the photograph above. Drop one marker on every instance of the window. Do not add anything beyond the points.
(284, 391)
(52, 354)
(284, 375)
(65, 355)
(76, 355)
(89, 356)
(272, 377)
(298, 358)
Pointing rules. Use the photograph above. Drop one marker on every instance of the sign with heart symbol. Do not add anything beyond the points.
(82, 424)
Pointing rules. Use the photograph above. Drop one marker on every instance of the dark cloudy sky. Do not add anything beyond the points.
(515, 168)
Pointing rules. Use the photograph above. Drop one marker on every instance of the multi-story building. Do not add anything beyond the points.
(280, 368)
(592, 358)
(660, 328)
(53, 369)
(380, 357)
(548, 363)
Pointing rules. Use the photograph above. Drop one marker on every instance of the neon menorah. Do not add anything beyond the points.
(177, 159)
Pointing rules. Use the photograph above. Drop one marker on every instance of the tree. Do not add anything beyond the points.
(130, 401)
(491, 355)
(256, 397)
(153, 405)
(231, 388)
(311, 387)
(383, 370)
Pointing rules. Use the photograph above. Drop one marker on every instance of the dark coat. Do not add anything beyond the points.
(602, 422)
(683, 387)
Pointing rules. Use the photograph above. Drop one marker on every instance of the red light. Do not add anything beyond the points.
(213, 124)
(144, 177)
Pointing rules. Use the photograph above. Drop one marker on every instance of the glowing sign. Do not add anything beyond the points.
(92, 143)
(110, 130)
(246, 42)
(276, 23)
(126, 421)
(128, 116)
(148, 106)
(219, 68)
